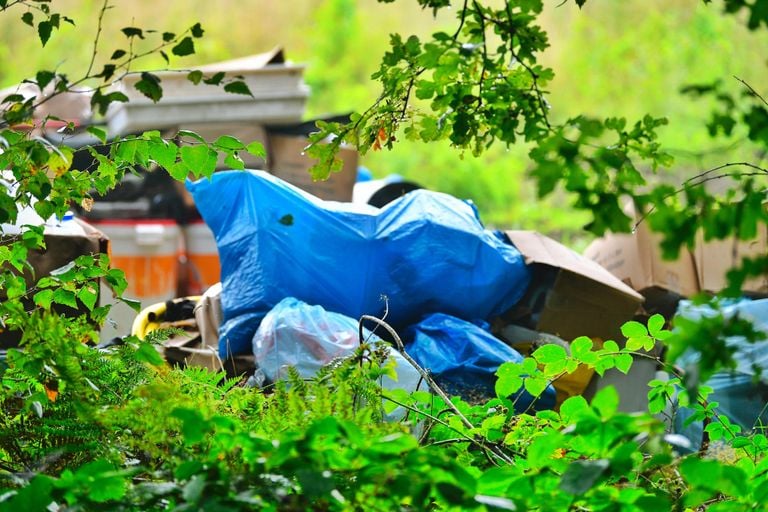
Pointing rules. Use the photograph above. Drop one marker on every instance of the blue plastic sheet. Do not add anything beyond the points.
(463, 358)
(741, 396)
(425, 252)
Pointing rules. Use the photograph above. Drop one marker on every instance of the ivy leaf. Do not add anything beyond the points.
(149, 86)
(238, 87)
(185, 47)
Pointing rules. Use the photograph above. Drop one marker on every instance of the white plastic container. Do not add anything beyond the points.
(148, 252)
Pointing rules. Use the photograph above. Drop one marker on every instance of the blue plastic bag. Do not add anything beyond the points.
(464, 357)
(425, 252)
(740, 396)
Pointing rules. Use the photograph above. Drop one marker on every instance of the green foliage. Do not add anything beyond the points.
(76, 433)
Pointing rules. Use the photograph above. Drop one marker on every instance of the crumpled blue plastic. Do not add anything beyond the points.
(463, 359)
(740, 395)
(425, 252)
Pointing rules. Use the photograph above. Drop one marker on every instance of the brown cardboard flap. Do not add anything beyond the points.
(537, 248)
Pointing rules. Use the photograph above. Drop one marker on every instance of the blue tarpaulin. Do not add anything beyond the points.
(464, 357)
(425, 252)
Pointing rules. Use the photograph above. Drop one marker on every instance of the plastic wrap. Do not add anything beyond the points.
(740, 395)
(464, 357)
(425, 252)
(308, 337)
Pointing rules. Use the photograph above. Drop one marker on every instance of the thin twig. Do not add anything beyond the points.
(751, 89)
(96, 39)
(702, 177)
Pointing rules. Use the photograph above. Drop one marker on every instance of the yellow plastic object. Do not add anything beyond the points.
(142, 325)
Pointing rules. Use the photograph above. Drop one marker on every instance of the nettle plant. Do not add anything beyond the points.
(76, 432)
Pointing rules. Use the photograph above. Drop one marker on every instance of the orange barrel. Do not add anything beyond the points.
(202, 257)
(147, 251)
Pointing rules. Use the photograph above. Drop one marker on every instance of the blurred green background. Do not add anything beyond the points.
(612, 58)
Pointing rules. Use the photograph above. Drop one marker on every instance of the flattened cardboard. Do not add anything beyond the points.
(715, 258)
(571, 296)
(288, 161)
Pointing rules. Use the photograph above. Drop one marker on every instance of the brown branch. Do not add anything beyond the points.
(751, 89)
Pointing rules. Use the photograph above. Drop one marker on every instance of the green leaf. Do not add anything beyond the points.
(197, 30)
(655, 324)
(44, 29)
(185, 47)
(201, 160)
(43, 298)
(132, 32)
(98, 133)
(229, 143)
(117, 54)
(256, 149)
(88, 296)
(581, 347)
(195, 76)
(133, 304)
(164, 153)
(168, 37)
(43, 78)
(238, 87)
(193, 425)
(191, 135)
(633, 329)
(549, 353)
(149, 86)
(623, 362)
(581, 475)
(65, 297)
(215, 79)
(606, 402)
(33, 497)
(149, 354)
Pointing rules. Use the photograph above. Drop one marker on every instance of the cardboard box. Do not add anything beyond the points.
(60, 250)
(570, 295)
(636, 260)
(715, 258)
(287, 160)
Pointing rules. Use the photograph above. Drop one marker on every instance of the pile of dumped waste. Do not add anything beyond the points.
(297, 274)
